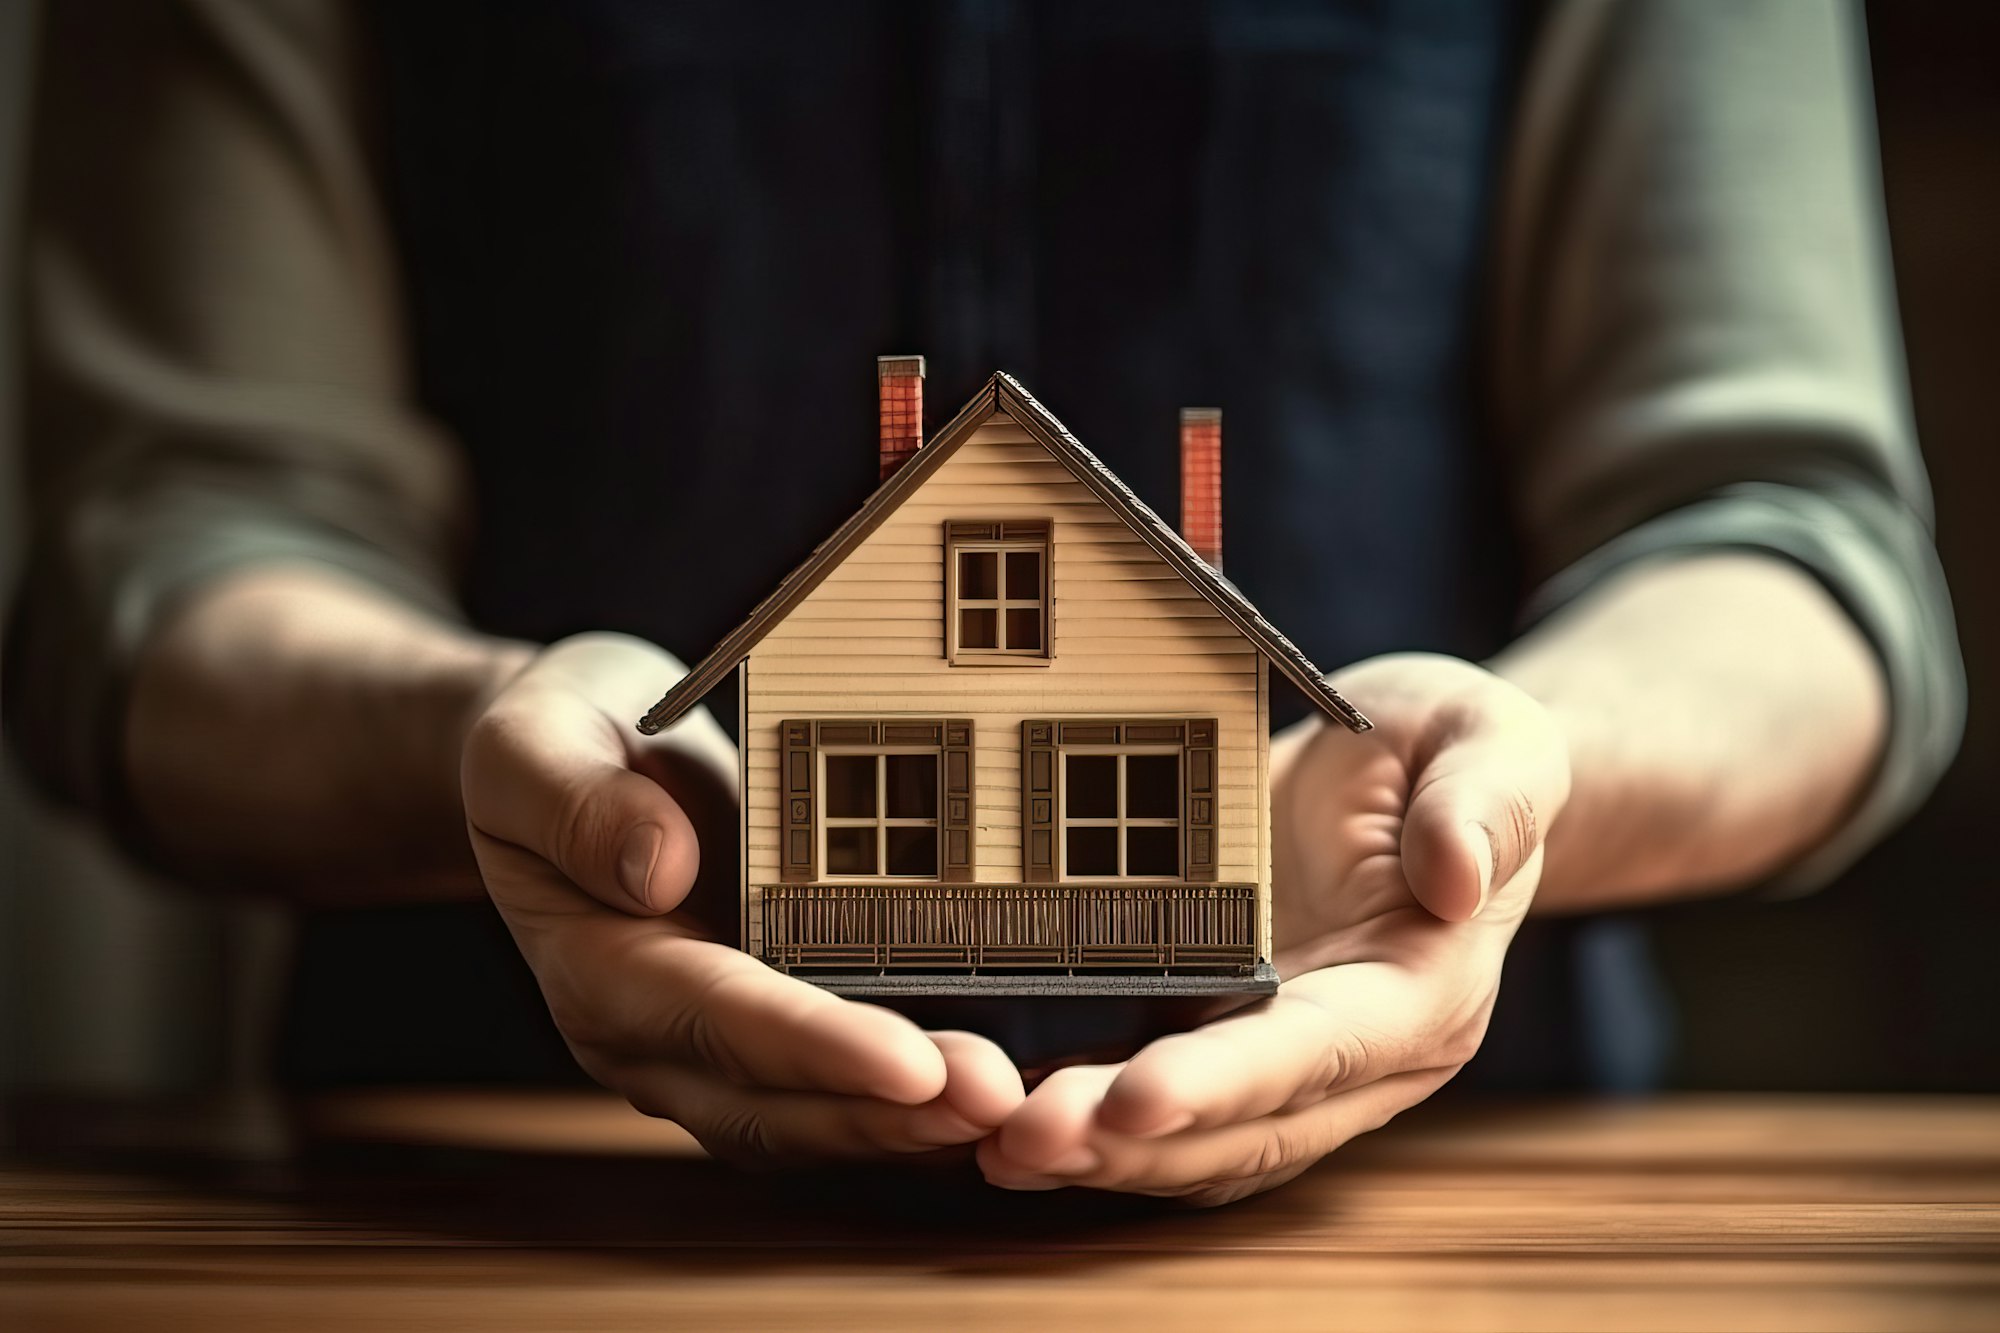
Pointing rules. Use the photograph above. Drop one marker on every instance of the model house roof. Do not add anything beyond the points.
(1004, 396)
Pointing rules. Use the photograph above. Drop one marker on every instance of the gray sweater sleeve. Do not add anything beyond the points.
(215, 370)
(1697, 345)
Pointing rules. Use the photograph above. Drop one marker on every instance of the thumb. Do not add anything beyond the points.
(1480, 810)
(546, 770)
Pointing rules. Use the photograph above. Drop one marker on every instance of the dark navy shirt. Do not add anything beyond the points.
(653, 250)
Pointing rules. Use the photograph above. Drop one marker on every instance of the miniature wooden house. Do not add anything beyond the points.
(1005, 731)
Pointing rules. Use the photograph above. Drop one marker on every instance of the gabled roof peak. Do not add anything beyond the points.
(1003, 395)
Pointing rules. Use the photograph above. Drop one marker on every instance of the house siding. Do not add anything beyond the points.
(1131, 639)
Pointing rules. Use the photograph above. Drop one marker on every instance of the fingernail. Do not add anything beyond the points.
(1080, 1162)
(635, 862)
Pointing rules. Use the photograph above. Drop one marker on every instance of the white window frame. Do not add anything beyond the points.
(882, 821)
(1043, 606)
(1064, 823)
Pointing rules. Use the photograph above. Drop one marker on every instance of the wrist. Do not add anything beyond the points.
(296, 728)
(1721, 713)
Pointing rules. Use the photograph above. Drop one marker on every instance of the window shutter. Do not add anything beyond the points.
(1198, 766)
(1038, 802)
(960, 809)
(796, 844)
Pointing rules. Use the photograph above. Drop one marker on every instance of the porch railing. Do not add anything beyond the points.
(957, 927)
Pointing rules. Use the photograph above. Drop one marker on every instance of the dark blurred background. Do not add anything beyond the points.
(1886, 980)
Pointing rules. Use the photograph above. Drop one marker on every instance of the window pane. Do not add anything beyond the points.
(1152, 786)
(913, 851)
(979, 574)
(1092, 851)
(1024, 628)
(979, 629)
(850, 786)
(1024, 576)
(1153, 851)
(1090, 786)
(850, 851)
(913, 786)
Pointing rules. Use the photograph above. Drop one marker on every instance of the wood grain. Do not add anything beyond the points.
(522, 1211)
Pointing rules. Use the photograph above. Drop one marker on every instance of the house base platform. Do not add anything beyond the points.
(881, 985)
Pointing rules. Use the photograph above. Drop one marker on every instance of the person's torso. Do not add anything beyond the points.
(652, 252)
(655, 249)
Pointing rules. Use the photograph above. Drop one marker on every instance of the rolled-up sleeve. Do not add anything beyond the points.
(214, 373)
(1697, 345)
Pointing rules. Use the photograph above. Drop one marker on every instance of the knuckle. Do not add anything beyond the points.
(573, 828)
(708, 1048)
(1349, 1058)
(1515, 833)
(1274, 1153)
(1343, 1055)
(1352, 1058)
(1275, 1148)
(736, 1134)
(1513, 830)
(692, 1027)
(1523, 825)
(1277, 1145)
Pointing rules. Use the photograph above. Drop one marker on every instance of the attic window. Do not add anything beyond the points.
(997, 582)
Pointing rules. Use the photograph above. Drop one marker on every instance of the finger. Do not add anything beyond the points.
(979, 1080)
(654, 995)
(546, 769)
(768, 1125)
(1052, 1132)
(1332, 1029)
(1204, 1163)
(1482, 805)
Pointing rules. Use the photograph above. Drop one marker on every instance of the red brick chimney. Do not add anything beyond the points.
(1201, 481)
(900, 382)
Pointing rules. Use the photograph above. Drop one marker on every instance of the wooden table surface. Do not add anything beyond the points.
(492, 1211)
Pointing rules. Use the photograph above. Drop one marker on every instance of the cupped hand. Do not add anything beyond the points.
(1403, 862)
(586, 835)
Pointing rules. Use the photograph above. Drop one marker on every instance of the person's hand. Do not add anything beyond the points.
(1404, 860)
(586, 837)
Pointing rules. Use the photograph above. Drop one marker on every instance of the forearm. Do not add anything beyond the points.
(1723, 715)
(301, 731)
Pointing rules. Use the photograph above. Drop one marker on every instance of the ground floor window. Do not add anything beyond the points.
(1119, 799)
(881, 813)
(875, 798)
(1121, 814)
